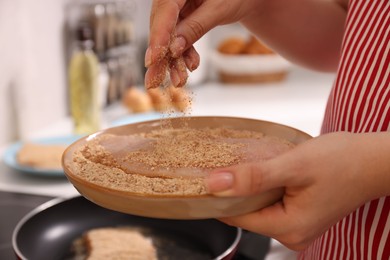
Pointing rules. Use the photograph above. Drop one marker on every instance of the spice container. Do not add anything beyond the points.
(114, 43)
(83, 83)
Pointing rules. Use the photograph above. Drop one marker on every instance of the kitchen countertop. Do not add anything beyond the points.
(298, 102)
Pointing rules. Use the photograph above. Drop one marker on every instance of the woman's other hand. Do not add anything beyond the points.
(325, 179)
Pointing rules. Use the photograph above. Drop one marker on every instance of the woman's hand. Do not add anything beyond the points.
(325, 179)
(175, 25)
(308, 33)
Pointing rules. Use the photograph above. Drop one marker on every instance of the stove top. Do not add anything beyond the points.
(14, 206)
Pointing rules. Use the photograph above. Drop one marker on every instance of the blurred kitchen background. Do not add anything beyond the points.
(39, 37)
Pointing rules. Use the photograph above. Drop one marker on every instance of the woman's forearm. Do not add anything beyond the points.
(307, 32)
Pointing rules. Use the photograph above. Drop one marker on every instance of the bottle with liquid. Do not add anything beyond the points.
(83, 81)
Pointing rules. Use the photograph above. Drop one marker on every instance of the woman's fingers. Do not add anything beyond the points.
(175, 77)
(178, 72)
(264, 220)
(196, 22)
(252, 178)
(156, 74)
(163, 20)
(191, 58)
(174, 26)
(292, 226)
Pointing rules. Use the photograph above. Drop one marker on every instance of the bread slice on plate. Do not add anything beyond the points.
(43, 156)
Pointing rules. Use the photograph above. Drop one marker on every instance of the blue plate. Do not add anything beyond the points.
(10, 155)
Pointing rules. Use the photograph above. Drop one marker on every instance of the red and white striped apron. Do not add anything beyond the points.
(360, 102)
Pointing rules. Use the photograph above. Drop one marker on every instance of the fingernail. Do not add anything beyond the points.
(177, 46)
(190, 64)
(148, 57)
(219, 181)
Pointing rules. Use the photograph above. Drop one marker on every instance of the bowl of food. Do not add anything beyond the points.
(157, 168)
(239, 60)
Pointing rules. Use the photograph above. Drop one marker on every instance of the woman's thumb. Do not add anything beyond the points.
(245, 179)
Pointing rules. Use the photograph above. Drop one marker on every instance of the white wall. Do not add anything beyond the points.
(42, 93)
(10, 43)
(32, 82)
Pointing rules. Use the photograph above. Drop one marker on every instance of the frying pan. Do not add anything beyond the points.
(48, 232)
